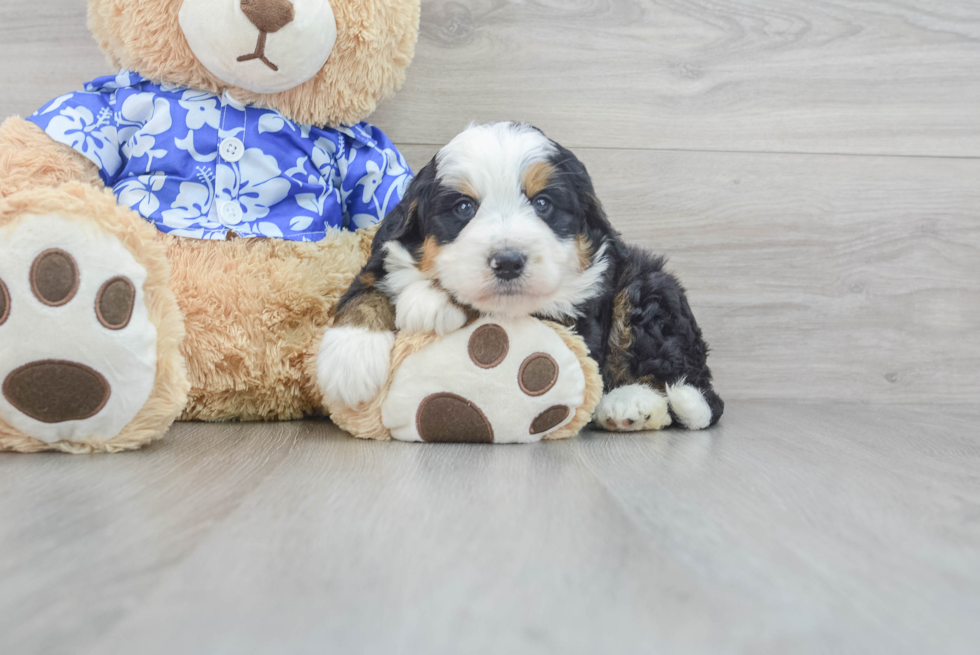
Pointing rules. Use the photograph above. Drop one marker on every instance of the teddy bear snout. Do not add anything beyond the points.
(269, 16)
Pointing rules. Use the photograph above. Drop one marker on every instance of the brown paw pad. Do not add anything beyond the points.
(448, 418)
(550, 418)
(54, 277)
(115, 302)
(4, 303)
(55, 391)
(538, 374)
(489, 346)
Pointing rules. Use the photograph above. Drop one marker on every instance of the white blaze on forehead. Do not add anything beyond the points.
(491, 159)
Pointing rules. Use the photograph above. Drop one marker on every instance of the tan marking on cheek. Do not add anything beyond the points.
(585, 251)
(430, 251)
(368, 279)
(537, 177)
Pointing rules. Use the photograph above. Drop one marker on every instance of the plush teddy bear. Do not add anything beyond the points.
(174, 239)
(234, 130)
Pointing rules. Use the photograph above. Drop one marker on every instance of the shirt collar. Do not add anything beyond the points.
(362, 132)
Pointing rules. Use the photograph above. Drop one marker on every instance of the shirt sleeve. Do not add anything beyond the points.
(86, 122)
(376, 179)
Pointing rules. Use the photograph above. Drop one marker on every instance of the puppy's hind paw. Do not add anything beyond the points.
(633, 408)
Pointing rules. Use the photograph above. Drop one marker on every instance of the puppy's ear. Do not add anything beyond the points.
(598, 229)
(403, 223)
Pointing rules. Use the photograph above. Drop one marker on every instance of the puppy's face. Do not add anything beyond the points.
(508, 223)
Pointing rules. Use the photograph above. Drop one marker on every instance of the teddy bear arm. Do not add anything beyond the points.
(30, 159)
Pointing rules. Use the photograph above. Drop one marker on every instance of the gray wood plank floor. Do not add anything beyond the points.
(788, 528)
(811, 168)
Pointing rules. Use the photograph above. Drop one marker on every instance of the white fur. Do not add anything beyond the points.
(353, 364)
(33, 332)
(491, 158)
(423, 308)
(420, 306)
(491, 161)
(689, 406)
(220, 32)
(633, 408)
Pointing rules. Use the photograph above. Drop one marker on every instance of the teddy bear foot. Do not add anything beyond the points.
(494, 381)
(90, 331)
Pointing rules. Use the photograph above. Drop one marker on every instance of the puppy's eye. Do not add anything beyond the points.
(465, 209)
(543, 206)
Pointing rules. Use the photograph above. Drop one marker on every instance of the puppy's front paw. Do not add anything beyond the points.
(424, 308)
(633, 408)
(353, 364)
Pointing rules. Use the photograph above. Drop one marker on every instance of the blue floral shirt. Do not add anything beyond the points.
(199, 165)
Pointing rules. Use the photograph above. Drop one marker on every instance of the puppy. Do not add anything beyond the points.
(505, 222)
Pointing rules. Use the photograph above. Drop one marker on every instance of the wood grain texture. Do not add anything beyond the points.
(839, 76)
(813, 277)
(788, 528)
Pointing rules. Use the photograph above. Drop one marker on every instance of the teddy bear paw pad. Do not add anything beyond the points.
(495, 381)
(80, 350)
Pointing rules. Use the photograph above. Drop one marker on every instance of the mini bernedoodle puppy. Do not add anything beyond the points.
(504, 221)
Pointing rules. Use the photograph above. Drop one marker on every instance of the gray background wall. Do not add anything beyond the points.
(811, 167)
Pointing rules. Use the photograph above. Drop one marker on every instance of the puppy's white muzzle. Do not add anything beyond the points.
(265, 46)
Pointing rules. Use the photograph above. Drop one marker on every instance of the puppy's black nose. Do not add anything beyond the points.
(508, 264)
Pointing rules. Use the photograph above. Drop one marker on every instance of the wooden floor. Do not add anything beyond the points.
(812, 168)
(787, 529)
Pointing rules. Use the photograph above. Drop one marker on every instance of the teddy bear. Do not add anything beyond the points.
(174, 239)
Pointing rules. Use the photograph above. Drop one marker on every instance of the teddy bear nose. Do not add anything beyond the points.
(269, 16)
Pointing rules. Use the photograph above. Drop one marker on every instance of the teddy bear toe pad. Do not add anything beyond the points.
(79, 356)
(495, 381)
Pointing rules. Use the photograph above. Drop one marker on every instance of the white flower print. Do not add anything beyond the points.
(139, 193)
(254, 182)
(144, 117)
(272, 122)
(202, 109)
(362, 221)
(270, 230)
(371, 181)
(94, 137)
(193, 203)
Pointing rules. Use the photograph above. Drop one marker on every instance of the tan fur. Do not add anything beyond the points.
(537, 177)
(29, 159)
(375, 44)
(617, 371)
(372, 310)
(255, 310)
(84, 204)
(593, 383)
(585, 251)
(466, 190)
(366, 422)
(430, 252)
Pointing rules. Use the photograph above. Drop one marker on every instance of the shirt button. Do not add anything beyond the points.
(232, 150)
(231, 213)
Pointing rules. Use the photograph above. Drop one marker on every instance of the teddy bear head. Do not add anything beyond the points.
(318, 62)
